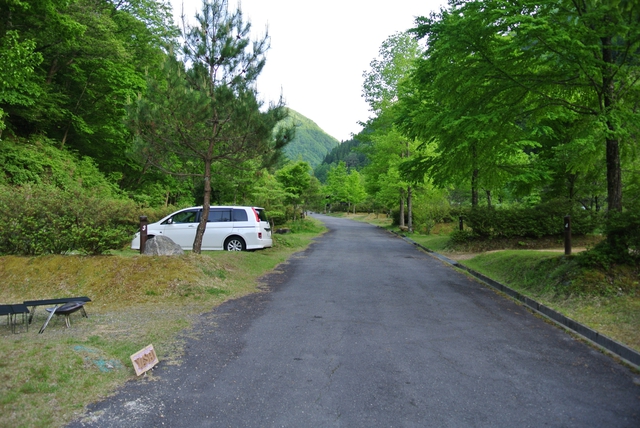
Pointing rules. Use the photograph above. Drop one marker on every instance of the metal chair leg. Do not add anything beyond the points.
(53, 311)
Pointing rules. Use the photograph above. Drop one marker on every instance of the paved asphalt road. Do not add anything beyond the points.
(365, 330)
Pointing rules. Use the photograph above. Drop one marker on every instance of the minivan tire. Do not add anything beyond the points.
(234, 243)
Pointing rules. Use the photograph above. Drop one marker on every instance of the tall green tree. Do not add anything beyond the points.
(296, 179)
(395, 59)
(337, 183)
(381, 89)
(206, 113)
(503, 70)
(84, 60)
(355, 189)
(18, 61)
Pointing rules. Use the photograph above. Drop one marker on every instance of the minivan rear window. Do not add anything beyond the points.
(261, 214)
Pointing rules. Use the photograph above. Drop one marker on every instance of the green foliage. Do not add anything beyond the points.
(337, 187)
(17, 71)
(529, 222)
(38, 161)
(394, 63)
(458, 236)
(430, 207)
(310, 142)
(622, 245)
(89, 60)
(43, 219)
(295, 179)
(524, 93)
(277, 217)
(306, 225)
(347, 152)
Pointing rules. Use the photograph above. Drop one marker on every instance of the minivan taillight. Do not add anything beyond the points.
(259, 235)
(257, 215)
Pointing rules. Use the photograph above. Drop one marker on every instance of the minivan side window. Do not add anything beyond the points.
(184, 217)
(240, 215)
(218, 215)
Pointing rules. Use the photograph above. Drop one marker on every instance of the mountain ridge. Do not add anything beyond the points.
(311, 143)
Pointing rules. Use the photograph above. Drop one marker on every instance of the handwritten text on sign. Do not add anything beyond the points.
(144, 359)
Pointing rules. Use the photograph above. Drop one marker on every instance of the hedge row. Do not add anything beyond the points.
(531, 222)
(44, 219)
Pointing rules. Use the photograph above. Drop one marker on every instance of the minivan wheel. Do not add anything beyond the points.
(234, 244)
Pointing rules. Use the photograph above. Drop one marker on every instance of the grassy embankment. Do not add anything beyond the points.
(607, 301)
(47, 379)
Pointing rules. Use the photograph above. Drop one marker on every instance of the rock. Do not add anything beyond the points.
(283, 231)
(404, 228)
(162, 246)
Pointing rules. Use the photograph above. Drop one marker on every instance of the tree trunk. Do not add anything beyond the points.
(474, 188)
(409, 209)
(614, 174)
(202, 226)
(474, 175)
(572, 185)
(488, 198)
(402, 207)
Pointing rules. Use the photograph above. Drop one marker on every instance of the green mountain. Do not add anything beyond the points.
(310, 143)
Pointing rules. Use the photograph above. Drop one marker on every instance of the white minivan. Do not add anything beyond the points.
(229, 228)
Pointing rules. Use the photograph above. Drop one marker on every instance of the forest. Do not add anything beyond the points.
(509, 114)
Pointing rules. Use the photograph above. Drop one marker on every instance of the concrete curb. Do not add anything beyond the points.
(628, 355)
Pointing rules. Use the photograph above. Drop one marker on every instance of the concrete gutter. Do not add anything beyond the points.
(620, 350)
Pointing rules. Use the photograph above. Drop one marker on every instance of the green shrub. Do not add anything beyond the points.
(530, 222)
(43, 219)
(37, 161)
(622, 245)
(461, 236)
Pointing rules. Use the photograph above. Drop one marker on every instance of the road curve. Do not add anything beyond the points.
(364, 330)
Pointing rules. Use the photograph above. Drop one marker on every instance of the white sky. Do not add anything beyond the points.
(319, 50)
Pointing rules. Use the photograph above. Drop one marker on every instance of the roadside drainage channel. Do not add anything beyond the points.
(628, 355)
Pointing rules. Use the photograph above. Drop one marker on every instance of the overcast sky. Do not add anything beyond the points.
(319, 50)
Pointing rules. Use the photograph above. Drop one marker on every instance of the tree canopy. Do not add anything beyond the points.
(503, 84)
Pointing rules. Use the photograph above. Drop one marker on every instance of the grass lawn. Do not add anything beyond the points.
(47, 379)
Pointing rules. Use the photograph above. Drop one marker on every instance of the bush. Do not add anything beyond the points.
(622, 245)
(43, 219)
(37, 162)
(460, 236)
(530, 222)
